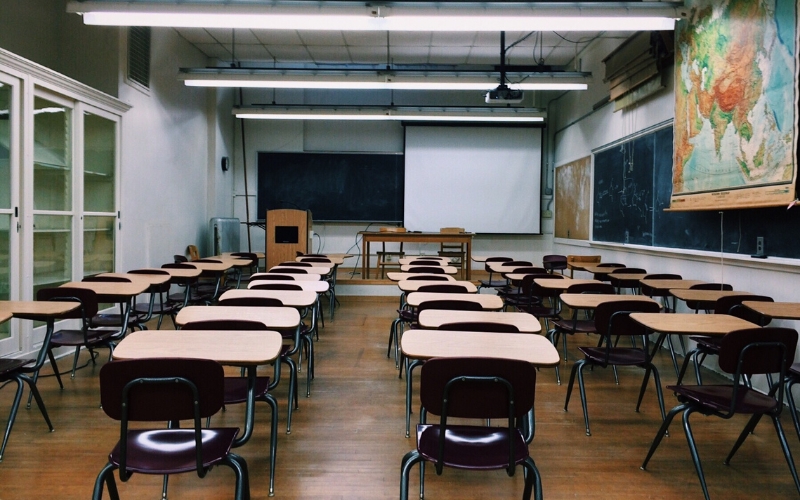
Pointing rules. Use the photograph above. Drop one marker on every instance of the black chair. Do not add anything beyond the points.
(17, 370)
(612, 320)
(753, 351)
(554, 263)
(620, 280)
(705, 346)
(272, 277)
(83, 336)
(443, 288)
(697, 305)
(252, 268)
(604, 276)
(479, 326)
(106, 320)
(236, 387)
(189, 285)
(426, 269)
(164, 307)
(490, 283)
(474, 388)
(169, 390)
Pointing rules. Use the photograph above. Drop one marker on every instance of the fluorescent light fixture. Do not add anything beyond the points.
(484, 115)
(371, 80)
(402, 16)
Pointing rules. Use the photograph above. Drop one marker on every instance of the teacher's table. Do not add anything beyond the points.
(704, 299)
(114, 292)
(369, 237)
(421, 345)
(294, 276)
(777, 310)
(279, 318)
(712, 325)
(487, 302)
(400, 276)
(435, 318)
(248, 349)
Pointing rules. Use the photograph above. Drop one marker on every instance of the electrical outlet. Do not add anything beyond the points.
(547, 214)
(760, 245)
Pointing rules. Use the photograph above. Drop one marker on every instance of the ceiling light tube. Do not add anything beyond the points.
(369, 80)
(627, 16)
(505, 115)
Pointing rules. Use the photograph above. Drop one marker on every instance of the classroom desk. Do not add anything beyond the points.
(295, 276)
(369, 237)
(289, 298)
(706, 297)
(625, 280)
(434, 318)
(314, 286)
(319, 269)
(235, 348)
(502, 268)
(447, 269)
(776, 310)
(650, 286)
(561, 284)
(590, 301)
(176, 273)
(435, 261)
(487, 302)
(150, 279)
(480, 258)
(279, 318)
(114, 292)
(4, 316)
(421, 345)
(711, 325)
(414, 285)
(401, 276)
(336, 261)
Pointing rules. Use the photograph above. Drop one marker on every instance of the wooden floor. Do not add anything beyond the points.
(348, 438)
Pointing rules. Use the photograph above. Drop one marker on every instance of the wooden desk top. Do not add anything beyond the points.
(336, 261)
(150, 279)
(5, 316)
(35, 309)
(626, 276)
(232, 261)
(272, 317)
(500, 267)
(715, 325)
(595, 269)
(487, 301)
(260, 255)
(131, 289)
(179, 273)
(703, 295)
(238, 348)
(314, 286)
(412, 235)
(561, 284)
(434, 318)
(290, 298)
(592, 300)
(426, 344)
(435, 261)
(212, 266)
(665, 285)
(297, 277)
(397, 276)
(319, 269)
(413, 285)
(482, 258)
(777, 310)
(447, 269)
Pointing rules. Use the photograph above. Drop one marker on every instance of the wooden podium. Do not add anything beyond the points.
(287, 233)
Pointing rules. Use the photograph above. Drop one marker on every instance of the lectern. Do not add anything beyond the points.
(287, 233)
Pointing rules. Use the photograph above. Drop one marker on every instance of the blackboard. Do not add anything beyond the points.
(342, 187)
(632, 187)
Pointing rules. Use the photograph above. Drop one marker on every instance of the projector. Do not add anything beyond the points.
(503, 94)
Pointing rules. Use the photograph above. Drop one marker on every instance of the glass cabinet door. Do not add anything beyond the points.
(52, 194)
(99, 166)
(8, 254)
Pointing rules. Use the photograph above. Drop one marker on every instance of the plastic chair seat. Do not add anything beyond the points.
(572, 326)
(170, 451)
(718, 398)
(75, 337)
(708, 344)
(105, 320)
(622, 356)
(471, 447)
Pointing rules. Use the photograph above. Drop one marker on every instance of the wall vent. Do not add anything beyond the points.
(139, 55)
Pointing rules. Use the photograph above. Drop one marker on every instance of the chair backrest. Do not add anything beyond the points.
(275, 286)
(165, 401)
(628, 270)
(443, 288)
(209, 261)
(527, 281)
(293, 263)
(225, 324)
(712, 286)
(479, 326)
(289, 270)
(427, 278)
(663, 276)
(756, 351)
(599, 288)
(251, 302)
(107, 279)
(612, 318)
(527, 270)
(426, 269)
(494, 259)
(554, 262)
(87, 298)
(246, 255)
(483, 398)
(539, 291)
(424, 262)
(324, 260)
(732, 304)
(610, 264)
(274, 277)
(450, 305)
(179, 259)
(517, 263)
(178, 265)
(163, 287)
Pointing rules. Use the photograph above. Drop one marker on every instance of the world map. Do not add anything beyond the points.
(735, 103)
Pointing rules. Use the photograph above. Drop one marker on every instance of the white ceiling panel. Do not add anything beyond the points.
(195, 35)
(252, 52)
(365, 38)
(215, 51)
(410, 38)
(368, 55)
(227, 35)
(322, 37)
(329, 54)
(278, 37)
(452, 39)
(484, 55)
(409, 55)
(289, 53)
(446, 55)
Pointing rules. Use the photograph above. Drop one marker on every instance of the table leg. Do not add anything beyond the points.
(250, 409)
(469, 259)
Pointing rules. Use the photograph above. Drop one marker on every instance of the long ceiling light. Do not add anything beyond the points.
(483, 115)
(401, 16)
(368, 80)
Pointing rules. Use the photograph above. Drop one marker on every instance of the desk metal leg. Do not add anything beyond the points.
(250, 411)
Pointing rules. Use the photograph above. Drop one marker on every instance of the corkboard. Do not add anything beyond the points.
(572, 192)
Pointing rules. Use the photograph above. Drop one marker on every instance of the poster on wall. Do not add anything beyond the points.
(573, 187)
(736, 105)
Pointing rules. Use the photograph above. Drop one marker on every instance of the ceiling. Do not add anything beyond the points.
(268, 48)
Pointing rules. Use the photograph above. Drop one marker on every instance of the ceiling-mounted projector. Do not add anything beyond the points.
(504, 95)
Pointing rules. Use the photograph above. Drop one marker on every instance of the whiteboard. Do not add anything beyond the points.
(484, 179)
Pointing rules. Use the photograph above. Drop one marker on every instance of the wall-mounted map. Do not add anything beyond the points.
(736, 105)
